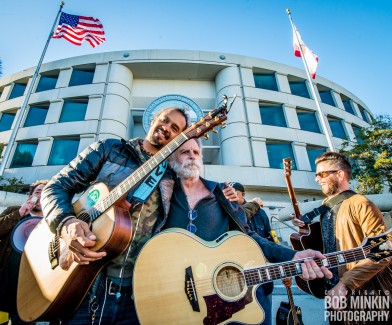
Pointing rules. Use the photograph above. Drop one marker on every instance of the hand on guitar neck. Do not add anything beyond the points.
(296, 221)
(78, 237)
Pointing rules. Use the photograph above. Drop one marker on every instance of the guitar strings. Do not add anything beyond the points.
(246, 276)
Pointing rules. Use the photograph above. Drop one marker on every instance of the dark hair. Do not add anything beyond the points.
(176, 109)
(237, 186)
(338, 159)
(34, 185)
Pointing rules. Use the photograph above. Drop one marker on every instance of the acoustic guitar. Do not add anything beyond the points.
(182, 279)
(308, 237)
(45, 289)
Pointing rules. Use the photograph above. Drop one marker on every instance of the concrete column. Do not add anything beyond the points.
(93, 107)
(235, 145)
(43, 151)
(338, 100)
(64, 78)
(283, 83)
(356, 109)
(350, 131)
(101, 71)
(301, 156)
(5, 93)
(291, 116)
(114, 112)
(54, 111)
(260, 150)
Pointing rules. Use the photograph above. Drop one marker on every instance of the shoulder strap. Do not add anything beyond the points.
(308, 217)
(150, 183)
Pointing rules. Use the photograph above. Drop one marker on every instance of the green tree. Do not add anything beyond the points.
(372, 156)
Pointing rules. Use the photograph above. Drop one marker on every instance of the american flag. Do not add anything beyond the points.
(76, 29)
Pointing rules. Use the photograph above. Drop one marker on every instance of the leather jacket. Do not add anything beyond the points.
(111, 161)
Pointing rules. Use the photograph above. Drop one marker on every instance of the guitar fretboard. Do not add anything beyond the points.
(277, 271)
(137, 176)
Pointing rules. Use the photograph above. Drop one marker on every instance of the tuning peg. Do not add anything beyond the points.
(214, 130)
(206, 136)
(208, 124)
(223, 125)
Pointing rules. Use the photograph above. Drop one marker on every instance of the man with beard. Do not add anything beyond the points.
(347, 219)
(110, 161)
(10, 258)
(201, 207)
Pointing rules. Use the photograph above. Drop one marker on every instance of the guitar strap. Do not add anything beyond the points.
(150, 183)
(329, 205)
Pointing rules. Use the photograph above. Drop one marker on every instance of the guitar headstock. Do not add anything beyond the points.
(378, 247)
(210, 121)
(287, 166)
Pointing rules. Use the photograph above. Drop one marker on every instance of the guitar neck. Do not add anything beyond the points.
(137, 176)
(293, 198)
(278, 271)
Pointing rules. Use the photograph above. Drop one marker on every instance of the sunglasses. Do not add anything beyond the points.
(192, 215)
(326, 173)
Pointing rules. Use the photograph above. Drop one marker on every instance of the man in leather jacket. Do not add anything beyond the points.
(111, 161)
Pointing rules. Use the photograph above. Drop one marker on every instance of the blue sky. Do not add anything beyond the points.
(352, 38)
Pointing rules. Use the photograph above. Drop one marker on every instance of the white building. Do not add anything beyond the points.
(79, 100)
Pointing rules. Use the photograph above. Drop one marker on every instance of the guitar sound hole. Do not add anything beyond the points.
(230, 283)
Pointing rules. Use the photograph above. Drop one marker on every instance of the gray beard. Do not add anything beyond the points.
(188, 169)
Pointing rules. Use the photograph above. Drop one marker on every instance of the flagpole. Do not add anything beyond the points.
(320, 112)
(26, 100)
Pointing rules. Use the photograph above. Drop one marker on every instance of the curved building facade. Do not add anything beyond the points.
(79, 100)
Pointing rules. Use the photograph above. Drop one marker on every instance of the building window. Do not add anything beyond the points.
(6, 121)
(326, 97)
(313, 153)
(24, 154)
(299, 88)
(273, 115)
(308, 121)
(63, 151)
(348, 106)
(277, 152)
(73, 110)
(363, 114)
(337, 128)
(356, 130)
(266, 81)
(17, 90)
(37, 115)
(81, 77)
(46, 83)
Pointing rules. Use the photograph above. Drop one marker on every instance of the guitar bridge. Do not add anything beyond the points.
(53, 249)
(190, 289)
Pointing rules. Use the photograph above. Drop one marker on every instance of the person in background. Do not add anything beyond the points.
(258, 222)
(9, 258)
(348, 218)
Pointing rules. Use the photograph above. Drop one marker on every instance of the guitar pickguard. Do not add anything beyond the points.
(219, 310)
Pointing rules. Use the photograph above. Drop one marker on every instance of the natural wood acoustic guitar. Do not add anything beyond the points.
(182, 279)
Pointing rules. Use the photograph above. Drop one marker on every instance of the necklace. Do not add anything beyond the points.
(144, 150)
